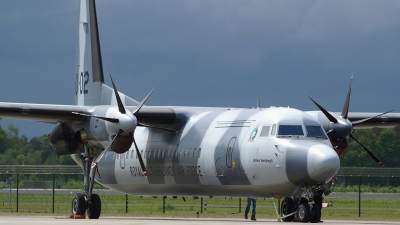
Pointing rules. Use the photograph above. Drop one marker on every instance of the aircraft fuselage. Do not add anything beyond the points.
(225, 152)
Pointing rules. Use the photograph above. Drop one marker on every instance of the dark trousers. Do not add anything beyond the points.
(249, 201)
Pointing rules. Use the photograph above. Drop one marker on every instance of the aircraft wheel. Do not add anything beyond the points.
(94, 209)
(316, 215)
(303, 213)
(287, 207)
(78, 205)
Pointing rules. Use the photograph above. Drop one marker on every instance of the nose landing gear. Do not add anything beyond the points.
(301, 208)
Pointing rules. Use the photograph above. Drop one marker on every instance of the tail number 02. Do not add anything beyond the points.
(80, 83)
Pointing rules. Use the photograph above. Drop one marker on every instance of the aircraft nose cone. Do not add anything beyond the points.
(322, 162)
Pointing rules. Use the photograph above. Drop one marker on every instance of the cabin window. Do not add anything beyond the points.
(127, 154)
(194, 152)
(315, 131)
(199, 152)
(290, 130)
(189, 152)
(273, 131)
(180, 153)
(264, 131)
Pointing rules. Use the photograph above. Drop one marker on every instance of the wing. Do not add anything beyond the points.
(40, 112)
(384, 121)
(49, 113)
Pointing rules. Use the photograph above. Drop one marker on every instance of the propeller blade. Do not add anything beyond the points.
(363, 120)
(119, 102)
(345, 111)
(160, 128)
(140, 159)
(368, 151)
(107, 149)
(138, 107)
(326, 113)
(111, 120)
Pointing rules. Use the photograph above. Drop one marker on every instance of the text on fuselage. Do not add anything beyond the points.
(193, 171)
(263, 160)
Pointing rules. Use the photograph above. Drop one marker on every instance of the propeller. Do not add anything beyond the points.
(123, 123)
(341, 128)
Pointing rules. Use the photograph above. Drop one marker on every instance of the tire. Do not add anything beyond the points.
(304, 200)
(303, 213)
(94, 209)
(316, 214)
(287, 207)
(78, 205)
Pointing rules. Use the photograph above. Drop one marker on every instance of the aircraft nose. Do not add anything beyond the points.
(322, 162)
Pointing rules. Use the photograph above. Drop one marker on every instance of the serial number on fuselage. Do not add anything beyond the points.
(163, 171)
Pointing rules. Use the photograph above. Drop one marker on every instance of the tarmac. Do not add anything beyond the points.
(51, 220)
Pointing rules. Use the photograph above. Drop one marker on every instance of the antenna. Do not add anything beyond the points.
(258, 102)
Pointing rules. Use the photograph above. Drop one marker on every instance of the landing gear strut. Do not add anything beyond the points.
(302, 208)
(87, 200)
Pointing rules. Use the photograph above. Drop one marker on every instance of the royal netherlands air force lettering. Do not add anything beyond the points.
(193, 171)
(80, 83)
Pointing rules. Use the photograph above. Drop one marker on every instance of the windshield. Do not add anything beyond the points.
(290, 130)
(315, 131)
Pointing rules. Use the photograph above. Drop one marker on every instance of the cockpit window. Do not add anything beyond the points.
(264, 131)
(315, 131)
(290, 130)
(273, 130)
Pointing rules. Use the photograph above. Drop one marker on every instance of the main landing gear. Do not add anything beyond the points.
(87, 201)
(301, 208)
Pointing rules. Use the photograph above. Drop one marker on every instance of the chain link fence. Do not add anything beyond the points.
(357, 192)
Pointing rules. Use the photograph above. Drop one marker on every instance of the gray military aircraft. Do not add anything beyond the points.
(192, 151)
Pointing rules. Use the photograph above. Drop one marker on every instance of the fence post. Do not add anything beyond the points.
(163, 203)
(17, 190)
(201, 205)
(54, 178)
(10, 183)
(359, 193)
(240, 205)
(126, 203)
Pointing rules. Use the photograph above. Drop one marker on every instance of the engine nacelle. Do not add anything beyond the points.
(340, 146)
(62, 138)
(67, 147)
(122, 144)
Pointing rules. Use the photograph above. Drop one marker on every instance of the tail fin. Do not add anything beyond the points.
(90, 89)
(89, 67)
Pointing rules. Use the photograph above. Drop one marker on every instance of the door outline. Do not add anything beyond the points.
(229, 152)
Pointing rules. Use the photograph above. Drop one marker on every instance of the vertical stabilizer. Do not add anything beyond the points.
(89, 76)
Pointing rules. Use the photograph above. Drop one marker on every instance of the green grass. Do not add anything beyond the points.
(114, 205)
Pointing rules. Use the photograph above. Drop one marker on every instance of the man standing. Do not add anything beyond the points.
(253, 213)
(318, 197)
